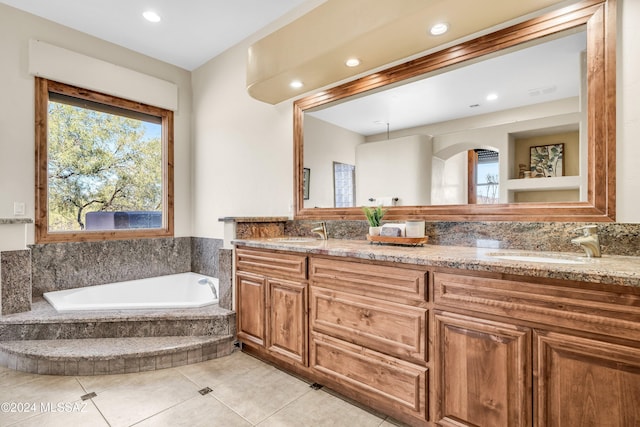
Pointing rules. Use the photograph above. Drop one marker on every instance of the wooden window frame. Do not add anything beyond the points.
(42, 234)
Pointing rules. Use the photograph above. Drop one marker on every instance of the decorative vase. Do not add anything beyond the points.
(374, 231)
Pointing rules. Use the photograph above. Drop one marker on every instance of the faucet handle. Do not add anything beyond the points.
(588, 230)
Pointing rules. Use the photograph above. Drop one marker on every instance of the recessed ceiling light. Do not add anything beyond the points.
(296, 84)
(151, 16)
(352, 62)
(492, 97)
(439, 29)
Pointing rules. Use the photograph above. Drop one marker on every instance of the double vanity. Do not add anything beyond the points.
(449, 336)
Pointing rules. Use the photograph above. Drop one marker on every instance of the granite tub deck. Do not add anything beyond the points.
(44, 341)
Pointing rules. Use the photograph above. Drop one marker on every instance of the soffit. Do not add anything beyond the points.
(314, 47)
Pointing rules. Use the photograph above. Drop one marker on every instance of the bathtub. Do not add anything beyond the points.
(183, 290)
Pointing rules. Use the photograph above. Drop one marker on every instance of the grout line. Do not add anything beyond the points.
(285, 406)
(162, 411)
(212, 396)
(100, 412)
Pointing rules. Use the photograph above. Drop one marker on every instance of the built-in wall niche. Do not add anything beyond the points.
(530, 184)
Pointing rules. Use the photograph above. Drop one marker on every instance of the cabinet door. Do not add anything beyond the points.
(587, 383)
(251, 308)
(484, 372)
(287, 314)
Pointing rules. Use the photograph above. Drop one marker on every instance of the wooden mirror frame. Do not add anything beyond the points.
(599, 17)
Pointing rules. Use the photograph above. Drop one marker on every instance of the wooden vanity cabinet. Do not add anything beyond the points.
(521, 353)
(477, 349)
(368, 336)
(272, 303)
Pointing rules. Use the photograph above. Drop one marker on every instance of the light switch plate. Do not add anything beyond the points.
(19, 208)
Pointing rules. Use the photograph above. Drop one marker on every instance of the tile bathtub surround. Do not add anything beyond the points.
(113, 341)
(15, 281)
(58, 266)
(204, 255)
(208, 257)
(225, 278)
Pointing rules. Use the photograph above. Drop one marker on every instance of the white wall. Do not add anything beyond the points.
(628, 113)
(17, 111)
(396, 168)
(243, 151)
(243, 148)
(324, 144)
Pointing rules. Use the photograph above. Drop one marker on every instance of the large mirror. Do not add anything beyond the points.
(515, 125)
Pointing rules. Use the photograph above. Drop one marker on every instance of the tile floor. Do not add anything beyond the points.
(244, 392)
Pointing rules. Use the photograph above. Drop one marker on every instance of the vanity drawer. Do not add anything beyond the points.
(390, 283)
(589, 307)
(273, 264)
(372, 375)
(391, 328)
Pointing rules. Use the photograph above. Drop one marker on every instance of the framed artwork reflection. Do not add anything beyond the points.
(547, 160)
(306, 175)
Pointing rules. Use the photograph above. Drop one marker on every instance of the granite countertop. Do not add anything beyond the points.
(10, 221)
(610, 269)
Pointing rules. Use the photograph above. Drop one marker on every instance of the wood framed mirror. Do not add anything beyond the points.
(595, 181)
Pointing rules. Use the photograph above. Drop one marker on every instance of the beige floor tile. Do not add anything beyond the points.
(101, 383)
(222, 370)
(318, 409)
(200, 411)
(260, 392)
(246, 391)
(42, 389)
(76, 413)
(141, 395)
(10, 376)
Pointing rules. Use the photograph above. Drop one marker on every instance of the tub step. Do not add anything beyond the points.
(111, 355)
(44, 323)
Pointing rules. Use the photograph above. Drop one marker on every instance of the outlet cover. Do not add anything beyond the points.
(19, 208)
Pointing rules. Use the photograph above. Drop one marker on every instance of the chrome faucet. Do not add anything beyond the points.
(206, 281)
(320, 230)
(589, 241)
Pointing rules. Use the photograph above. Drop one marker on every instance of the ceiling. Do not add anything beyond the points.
(541, 72)
(191, 31)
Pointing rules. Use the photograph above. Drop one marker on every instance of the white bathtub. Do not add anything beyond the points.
(172, 291)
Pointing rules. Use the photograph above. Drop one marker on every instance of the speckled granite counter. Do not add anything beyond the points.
(619, 270)
(11, 221)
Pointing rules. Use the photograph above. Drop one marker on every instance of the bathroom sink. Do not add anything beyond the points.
(538, 257)
(294, 239)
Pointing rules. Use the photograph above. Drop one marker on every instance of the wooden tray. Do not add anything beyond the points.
(389, 240)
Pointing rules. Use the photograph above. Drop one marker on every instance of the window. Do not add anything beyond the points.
(104, 166)
(344, 185)
(484, 187)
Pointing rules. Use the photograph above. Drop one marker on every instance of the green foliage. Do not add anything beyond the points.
(99, 162)
(374, 215)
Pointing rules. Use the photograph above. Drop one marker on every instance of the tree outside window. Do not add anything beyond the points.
(103, 169)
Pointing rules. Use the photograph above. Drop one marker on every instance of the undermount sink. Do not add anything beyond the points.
(537, 257)
(294, 239)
